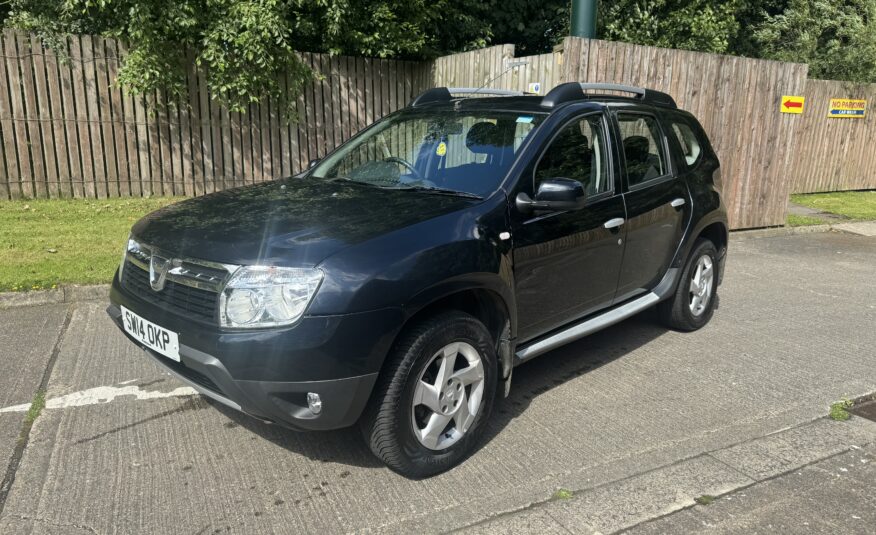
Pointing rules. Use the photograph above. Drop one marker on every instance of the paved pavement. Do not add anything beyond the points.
(635, 421)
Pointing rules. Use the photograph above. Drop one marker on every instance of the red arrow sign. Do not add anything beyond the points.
(792, 104)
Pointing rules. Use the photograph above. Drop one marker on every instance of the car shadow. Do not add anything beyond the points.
(530, 380)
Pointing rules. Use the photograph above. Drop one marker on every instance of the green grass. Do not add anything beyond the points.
(839, 411)
(795, 220)
(44, 243)
(705, 499)
(563, 494)
(36, 407)
(860, 205)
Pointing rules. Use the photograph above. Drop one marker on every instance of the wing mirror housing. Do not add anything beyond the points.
(554, 195)
(312, 163)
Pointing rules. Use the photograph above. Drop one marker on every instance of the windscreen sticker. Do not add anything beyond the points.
(442, 149)
(524, 119)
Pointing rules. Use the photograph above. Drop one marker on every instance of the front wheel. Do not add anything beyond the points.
(430, 405)
(693, 303)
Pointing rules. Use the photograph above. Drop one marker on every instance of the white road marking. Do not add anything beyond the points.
(103, 394)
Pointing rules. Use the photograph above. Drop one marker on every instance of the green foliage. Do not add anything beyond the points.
(837, 38)
(705, 499)
(36, 407)
(563, 494)
(839, 411)
(533, 27)
(690, 25)
(246, 49)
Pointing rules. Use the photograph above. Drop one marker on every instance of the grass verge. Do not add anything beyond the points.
(44, 243)
(795, 220)
(859, 205)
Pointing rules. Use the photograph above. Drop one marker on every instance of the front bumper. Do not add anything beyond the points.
(268, 373)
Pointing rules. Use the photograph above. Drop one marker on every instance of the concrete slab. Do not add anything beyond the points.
(27, 337)
(832, 496)
(793, 334)
(863, 228)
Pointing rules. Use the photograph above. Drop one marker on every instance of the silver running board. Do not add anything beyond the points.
(590, 326)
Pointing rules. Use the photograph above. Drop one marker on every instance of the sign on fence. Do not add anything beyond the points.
(847, 108)
(792, 104)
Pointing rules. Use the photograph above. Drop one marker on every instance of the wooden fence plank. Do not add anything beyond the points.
(23, 143)
(12, 182)
(107, 117)
(48, 186)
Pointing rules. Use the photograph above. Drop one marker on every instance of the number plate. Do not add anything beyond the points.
(150, 335)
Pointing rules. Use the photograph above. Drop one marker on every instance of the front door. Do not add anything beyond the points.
(566, 263)
(658, 205)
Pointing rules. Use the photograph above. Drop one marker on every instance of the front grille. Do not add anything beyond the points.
(176, 296)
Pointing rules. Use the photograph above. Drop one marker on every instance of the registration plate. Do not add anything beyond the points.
(150, 335)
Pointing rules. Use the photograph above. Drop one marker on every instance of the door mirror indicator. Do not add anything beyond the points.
(312, 163)
(554, 195)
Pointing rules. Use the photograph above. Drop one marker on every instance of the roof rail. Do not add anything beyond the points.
(571, 91)
(444, 94)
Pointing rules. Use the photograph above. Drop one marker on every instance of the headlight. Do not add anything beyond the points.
(130, 245)
(265, 296)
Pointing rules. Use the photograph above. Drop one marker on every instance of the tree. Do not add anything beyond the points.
(837, 38)
(243, 48)
(693, 25)
(533, 27)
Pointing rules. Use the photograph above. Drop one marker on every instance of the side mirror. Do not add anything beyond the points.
(312, 163)
(554, 195)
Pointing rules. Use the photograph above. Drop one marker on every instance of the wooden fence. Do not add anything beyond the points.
(736, 100)
(68, 131)
(834, 154)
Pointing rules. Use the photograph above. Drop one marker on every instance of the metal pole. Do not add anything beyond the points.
(584, 18)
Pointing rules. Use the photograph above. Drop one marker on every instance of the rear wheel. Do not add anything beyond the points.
(430, 405)
(693, 303)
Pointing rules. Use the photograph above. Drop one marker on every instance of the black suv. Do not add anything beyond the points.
(397, 282)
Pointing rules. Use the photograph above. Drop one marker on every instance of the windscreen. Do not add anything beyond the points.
(463, 151)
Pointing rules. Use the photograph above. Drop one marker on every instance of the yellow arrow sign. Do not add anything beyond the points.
(792, 104)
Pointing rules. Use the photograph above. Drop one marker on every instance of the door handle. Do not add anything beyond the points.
(677, 203)
(614, 223)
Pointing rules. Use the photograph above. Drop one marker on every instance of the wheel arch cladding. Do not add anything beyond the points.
(486, 305)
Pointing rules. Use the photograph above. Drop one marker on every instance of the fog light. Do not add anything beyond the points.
(314, 402)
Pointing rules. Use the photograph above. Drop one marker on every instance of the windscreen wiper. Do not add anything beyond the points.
(440, 191)
(354, 181)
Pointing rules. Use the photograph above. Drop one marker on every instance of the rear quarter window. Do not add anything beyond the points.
(691, 148)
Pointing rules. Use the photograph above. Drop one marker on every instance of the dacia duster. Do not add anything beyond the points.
(396, 283)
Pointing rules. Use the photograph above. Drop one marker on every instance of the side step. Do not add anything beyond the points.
(590, 326)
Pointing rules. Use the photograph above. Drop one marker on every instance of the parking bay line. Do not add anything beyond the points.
(103, 394)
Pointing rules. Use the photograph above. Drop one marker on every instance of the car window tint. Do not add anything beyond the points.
(644, 154)
(690, 146)
(578, 152)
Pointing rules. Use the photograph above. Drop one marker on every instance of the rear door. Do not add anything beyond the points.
(658, 203)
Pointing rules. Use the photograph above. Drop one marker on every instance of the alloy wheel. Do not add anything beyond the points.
(448, 396)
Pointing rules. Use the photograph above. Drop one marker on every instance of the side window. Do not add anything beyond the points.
(687, 140)
(578, 152)
(643, 149)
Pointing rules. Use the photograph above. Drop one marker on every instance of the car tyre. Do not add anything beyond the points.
(696, 295)
(416, 428)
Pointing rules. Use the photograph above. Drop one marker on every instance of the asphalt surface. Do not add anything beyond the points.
(635, 421)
